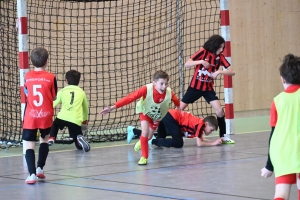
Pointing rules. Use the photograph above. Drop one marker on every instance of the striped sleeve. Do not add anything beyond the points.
(224, 61)
(198, 55)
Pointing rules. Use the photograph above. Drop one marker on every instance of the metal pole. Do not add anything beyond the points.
(23, 52)
(180, 65)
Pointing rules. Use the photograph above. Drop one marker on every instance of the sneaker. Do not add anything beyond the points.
(227, 140)
(51, 141)
(85, 145)
(130, 134)
(40, 173)
(150, 142)
(31, 179)
(137, 146)
(190, 136)
(143, 161)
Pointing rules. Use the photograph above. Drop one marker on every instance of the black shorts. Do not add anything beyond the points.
(73, 128)
(193, 95)
(169, 126)
(30, 134)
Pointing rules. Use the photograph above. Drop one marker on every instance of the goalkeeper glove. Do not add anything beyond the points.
(84, 128)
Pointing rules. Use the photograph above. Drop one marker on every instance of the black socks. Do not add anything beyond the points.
(30, 159)
(43, 153)
(222, 126)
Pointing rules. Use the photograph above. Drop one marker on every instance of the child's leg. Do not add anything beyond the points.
(283, 186)
(220, 116)
(183, 105)
(54, 128)
(144, 138)
(29, 135)
(298, 185)
(282, 191)
(76, 133)
(44, 147)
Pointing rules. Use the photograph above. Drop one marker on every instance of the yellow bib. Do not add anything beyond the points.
(155, 111)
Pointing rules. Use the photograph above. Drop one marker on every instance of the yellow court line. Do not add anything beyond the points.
(61, 151)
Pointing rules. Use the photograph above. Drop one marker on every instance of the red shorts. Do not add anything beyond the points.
(287, 179)
(153, 124)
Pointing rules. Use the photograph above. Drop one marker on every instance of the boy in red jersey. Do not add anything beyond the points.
(73, 113)
(207, 61)
(155, 99)
(175, 123)
(284, 142)
(40, 88)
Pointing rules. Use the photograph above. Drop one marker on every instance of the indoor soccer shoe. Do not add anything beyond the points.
(51, 141)
(227, 140)
(85, 145)
(150, 142)
(40, 173)
(143, 161)
(130, 134)
(137, 146)
(31, 179)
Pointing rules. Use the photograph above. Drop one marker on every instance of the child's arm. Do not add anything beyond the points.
(85, 108)
(190, 63)
(267, 171)
(176, 101)
(207, 143)
(57, 100)
(142, 92)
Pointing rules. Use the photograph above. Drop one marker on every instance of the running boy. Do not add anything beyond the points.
(40, 88)
(284, 150)
(177, 123)
(155, 99)
(73, 113)
(207, 61)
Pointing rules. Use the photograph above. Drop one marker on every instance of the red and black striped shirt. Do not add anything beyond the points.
(202, 79)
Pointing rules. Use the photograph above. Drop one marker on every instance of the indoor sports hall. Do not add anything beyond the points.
(117, 46)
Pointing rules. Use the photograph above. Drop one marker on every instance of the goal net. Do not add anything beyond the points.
(116, 45)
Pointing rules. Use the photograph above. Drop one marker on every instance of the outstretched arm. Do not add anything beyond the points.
(267, 171)
(142, 92)
(208, 143)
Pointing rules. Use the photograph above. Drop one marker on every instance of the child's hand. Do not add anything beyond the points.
(84, 128)
(106, 110)
(217, 142)
(266, 173)
(215, 74)
(206, 64)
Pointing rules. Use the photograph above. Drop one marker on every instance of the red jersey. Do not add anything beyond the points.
(273, 112)
(142, 92)
(41, 89)
(202, 79)
(188, 122)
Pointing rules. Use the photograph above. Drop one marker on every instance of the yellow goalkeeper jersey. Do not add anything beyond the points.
(74, 104)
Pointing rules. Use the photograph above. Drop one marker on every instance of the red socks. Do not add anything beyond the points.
(278, 199)
(144, 146)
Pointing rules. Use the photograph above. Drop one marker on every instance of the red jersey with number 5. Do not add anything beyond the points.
(41, 89)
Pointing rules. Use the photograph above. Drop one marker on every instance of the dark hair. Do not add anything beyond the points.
(39, 57)
(212, 121)
(160, 74)
(73, 77)
(213, 43)
(290, 69)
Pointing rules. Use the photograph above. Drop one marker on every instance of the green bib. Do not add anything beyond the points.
(285, 142)
(155, 111)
